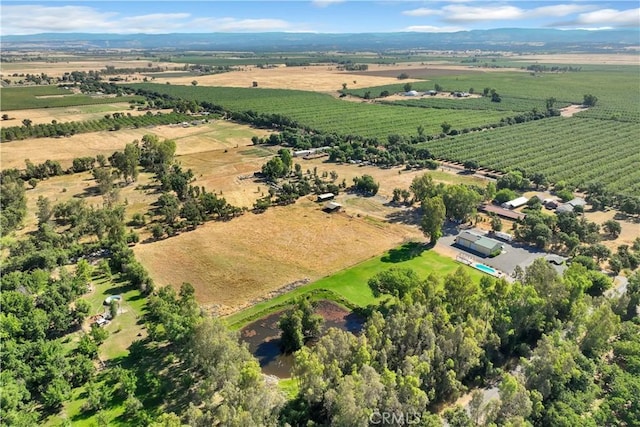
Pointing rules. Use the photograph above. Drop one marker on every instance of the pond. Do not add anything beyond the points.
(263, 336)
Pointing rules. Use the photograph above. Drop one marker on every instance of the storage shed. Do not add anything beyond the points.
(325, 197)
(332, 207)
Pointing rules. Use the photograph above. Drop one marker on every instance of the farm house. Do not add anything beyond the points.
(479, 243)
(515, 203)
(411, 93)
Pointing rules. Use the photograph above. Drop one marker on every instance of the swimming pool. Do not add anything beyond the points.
(486, 269)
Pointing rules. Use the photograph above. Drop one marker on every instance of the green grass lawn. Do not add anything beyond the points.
(350, 286)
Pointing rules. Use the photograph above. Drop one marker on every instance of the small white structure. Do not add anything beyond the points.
(325, 197)
(503, 236)
(411, 93)
(515, 203)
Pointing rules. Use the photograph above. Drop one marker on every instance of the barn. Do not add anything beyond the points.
(332, 207)
(478, 243)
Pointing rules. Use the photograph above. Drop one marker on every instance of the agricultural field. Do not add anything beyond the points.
(30, 97)
(327, 114)
(575, 150)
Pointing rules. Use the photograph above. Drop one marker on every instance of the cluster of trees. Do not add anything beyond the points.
(298, 325)
(365, 185)
(285, 185)
(439, 202)
(436, 338)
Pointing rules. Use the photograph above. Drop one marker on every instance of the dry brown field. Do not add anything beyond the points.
(63, 188)
(317, 78)
(232, 263)
(67, 114)
(630, 228)
(218, 134)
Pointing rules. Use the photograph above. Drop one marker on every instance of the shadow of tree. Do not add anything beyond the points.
(405, 252)
(405, 216)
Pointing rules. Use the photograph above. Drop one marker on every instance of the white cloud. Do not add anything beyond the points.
(462, 13)
(423, 11)
(43, 19)
(432, 29)
(325, 3)
(241, 25)
(607, 17)
(560, 10)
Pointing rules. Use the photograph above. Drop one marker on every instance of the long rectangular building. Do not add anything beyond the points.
(479, 243)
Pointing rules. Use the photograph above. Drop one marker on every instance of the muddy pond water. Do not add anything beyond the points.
(263, 336)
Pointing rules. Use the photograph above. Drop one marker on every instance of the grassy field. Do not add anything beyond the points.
(351, 284)
(20, 98)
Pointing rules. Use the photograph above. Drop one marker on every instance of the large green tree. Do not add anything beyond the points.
(433, 216)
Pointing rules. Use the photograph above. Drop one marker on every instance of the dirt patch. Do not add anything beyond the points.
(232, 263)
(630, 227)
(572, 109)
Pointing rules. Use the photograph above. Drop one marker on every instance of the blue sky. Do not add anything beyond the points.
(322, 16)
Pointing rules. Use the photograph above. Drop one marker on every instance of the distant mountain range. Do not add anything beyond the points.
(529, 40)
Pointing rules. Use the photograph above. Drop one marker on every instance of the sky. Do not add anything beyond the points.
(319, 16)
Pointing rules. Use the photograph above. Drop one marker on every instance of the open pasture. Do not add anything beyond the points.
(316, 78)
(193, 139)
(233, 263)
(63, 188)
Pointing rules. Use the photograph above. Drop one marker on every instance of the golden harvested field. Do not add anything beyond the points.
(233, 263)
(67, 114)
(58, 67)
(319, 78)
(218, 134)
